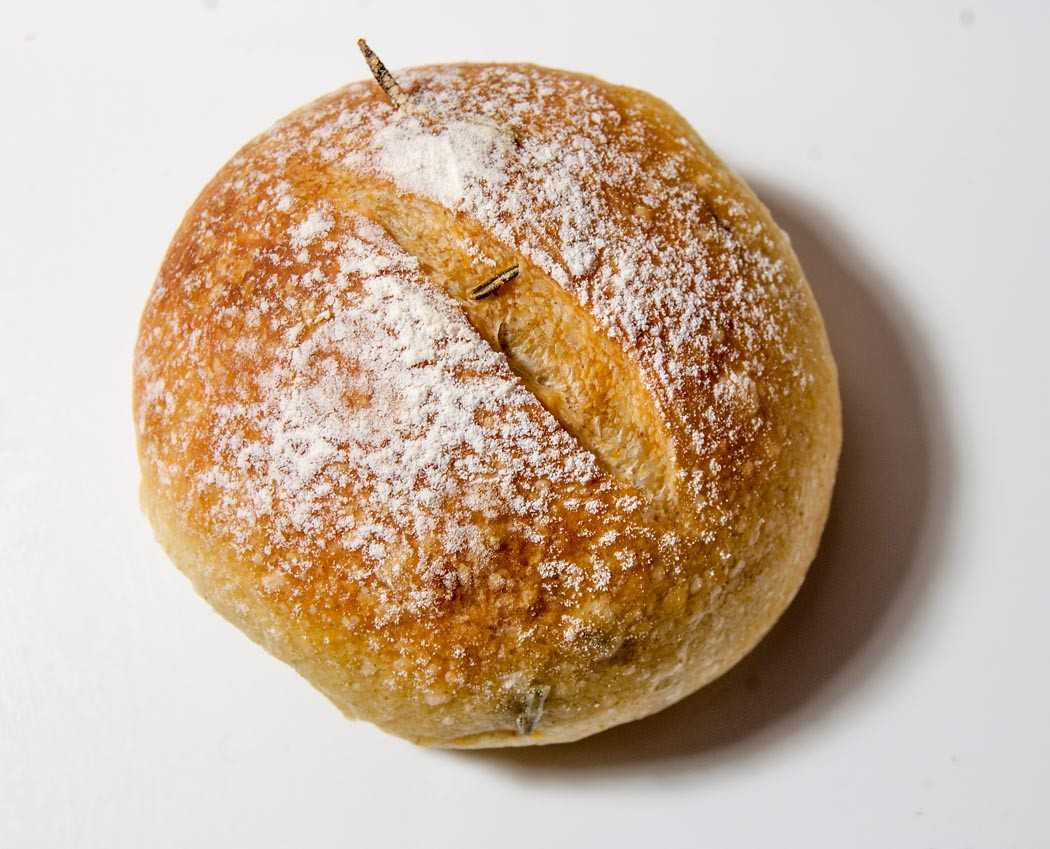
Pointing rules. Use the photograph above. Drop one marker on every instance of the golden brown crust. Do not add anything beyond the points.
(503, 522)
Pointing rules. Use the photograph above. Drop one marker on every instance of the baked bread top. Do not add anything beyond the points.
(508, 520)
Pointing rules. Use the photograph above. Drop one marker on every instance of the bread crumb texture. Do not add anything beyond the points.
(510, 521)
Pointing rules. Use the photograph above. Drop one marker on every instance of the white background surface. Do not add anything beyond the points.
(902, 702)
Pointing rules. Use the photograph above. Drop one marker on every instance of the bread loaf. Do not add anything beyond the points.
(487, 515)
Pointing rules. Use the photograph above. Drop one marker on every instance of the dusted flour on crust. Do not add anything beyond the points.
(514, 520)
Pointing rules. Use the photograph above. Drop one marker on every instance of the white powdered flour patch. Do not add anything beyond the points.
(394, 400)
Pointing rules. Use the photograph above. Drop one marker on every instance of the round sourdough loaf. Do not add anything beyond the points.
(502, 520)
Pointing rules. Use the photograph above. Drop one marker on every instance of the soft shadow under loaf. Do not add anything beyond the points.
(877, 558)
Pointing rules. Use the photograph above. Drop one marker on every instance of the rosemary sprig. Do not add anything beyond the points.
(385, 79)
(490, 286)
